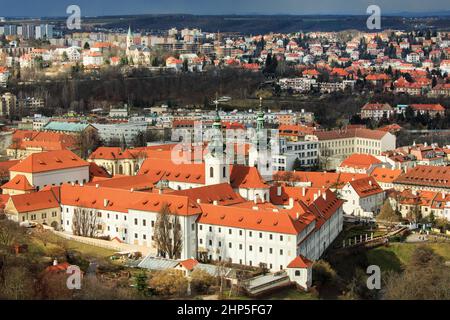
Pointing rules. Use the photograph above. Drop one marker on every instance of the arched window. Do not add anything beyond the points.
(211, 172)
(224, 170)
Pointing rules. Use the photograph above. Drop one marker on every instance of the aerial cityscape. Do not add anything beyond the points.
(192, 152)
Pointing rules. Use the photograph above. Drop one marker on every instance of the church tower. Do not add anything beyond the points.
(259, 153)
(216, 168)
(129, 39)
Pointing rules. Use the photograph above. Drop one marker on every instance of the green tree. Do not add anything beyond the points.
(141, 283)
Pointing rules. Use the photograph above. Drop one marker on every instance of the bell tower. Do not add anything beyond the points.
(216, 168)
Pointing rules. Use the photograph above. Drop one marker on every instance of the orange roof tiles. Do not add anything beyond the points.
(365, 187)
(350, 133)
(49, 161)
(433, 176)
(246, 177)
(34, 201)
(190, 173)
(360, 161)
(377, 106)
(137, 183)
(120, 200)
(260, 220)
(300, 262)
(19, 182)
(96, 171)
(222, 193)
(189, 264)
(5, 166)
(323, 179)
(428, 107)
(385, 175)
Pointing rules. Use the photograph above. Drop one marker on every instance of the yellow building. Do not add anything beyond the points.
(40, 207)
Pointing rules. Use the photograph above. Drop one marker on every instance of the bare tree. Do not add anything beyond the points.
(84, 223)
(168, 235)
(9, 231)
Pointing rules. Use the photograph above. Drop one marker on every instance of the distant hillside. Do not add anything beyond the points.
(259, 24)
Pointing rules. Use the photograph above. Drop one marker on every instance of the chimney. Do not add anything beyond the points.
(132, 190)
(160, 191)
(198, 200)
(55, 262)
(97, 185)
(315, 196)
(105, 202)
(255, 208)
(255, 200)
(303, 191)
(324, 196)
(319, 193)
(215, 202)
(291, 202)
(275, 210)
(443, 195)
(73, 184)
(279, 191)
(370, 182)
(298, 215)
(81, 184)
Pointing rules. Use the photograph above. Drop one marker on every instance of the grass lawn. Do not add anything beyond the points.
(54, 246)
(88, 250)
(398, 254)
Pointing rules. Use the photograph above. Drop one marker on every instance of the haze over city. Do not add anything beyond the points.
(119, 7)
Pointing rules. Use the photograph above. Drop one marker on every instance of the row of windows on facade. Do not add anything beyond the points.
(302, 146)
(43, 216)
(250, 233)
(340, 142)
(250, 263)
(250, 247)
(61, 183)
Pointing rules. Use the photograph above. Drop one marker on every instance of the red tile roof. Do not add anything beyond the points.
(246, 177)
(137, 183)
(432, 176)
(427, 107)
(19, 182)
(323, 179)
(5, 166)
(360, 161)
(167, 170)
(189, 264)
(222, 193)
(120, 200)
(260, 220)
(49, 161)
(96, 171)
(377, 106)
(300, 262)
(34, 201)
(385, 175)
(350, 133)
(365, 187)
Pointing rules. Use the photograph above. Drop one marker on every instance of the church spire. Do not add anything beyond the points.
(260, 116)
(217, 121)
(129, 38)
